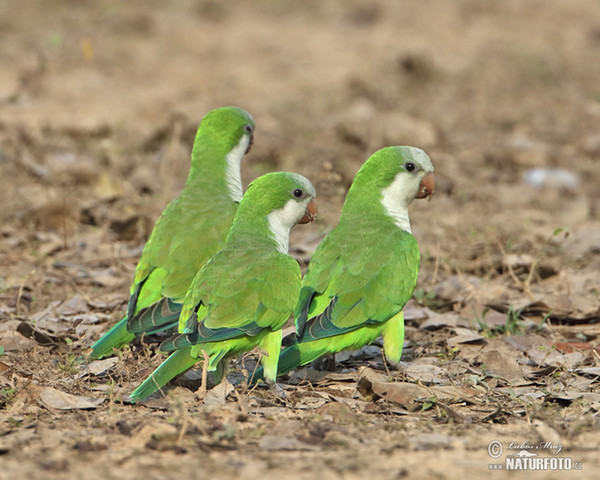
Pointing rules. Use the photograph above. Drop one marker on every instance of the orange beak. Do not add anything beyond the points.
(311, 212)
(427, 186)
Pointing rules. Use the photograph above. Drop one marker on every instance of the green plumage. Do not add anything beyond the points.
(190, 230)
(242, 297)
(365, 270)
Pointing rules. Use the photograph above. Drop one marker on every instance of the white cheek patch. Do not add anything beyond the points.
(282, 221)
(233, 175)
(396, 198)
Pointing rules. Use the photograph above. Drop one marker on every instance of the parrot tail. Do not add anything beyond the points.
(158, 317)
(177, 342)
(177, 363)
(116, 337)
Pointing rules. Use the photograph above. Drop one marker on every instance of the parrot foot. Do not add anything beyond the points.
(277, 390)
(201, 392)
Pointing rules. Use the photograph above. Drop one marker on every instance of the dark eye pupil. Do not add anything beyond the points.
(409, 166)
(297, 193)
(248, 128)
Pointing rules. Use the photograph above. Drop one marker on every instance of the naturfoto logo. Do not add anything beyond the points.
(528, 456)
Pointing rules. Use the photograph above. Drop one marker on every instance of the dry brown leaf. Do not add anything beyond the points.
(42, 337)
(503, 365)
(436, 321)
(413, 311)
(547, 356)
(217, 396)
(373, 385)
(53, 398)
(471, 338)
(592, 371)
(97, 367)
(426, 372)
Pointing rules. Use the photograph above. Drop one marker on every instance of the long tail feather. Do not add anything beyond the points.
(158, 317)
(203, 334)
(177, 363)
(177, 342)
(116, 337)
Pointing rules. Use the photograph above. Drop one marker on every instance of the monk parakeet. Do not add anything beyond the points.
(190, 230)
(365, 270)
(242, 297)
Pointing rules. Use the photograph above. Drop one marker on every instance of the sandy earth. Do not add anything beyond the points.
(99, 103)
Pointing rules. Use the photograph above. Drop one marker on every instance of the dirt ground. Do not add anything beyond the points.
(99, 103)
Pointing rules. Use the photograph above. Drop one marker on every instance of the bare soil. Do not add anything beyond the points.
(99, 103)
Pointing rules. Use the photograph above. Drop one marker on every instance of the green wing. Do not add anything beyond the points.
(241, 291)
(357, 280)
(172, 257)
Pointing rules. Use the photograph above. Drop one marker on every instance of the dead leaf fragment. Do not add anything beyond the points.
(502, 365)
(97, 367)
(435, 321)
(43, 338)
(426, 373)
(466, 338)
(217, 397)
(53, 398)
(405, 393)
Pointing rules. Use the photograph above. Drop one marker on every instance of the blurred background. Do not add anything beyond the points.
(100, 100)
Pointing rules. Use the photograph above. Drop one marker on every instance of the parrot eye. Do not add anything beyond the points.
(409, 166)
(248, 128)
(297, 192)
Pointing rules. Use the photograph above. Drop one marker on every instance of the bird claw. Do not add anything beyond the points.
(276, 389)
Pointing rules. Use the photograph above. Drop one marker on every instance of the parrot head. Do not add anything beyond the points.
(283, 194)
(231, 125)
(392, 177)
(284, 199)
(408, 172)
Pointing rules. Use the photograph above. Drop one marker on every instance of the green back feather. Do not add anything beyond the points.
(243, 295)
(192, 228)
(250, 273)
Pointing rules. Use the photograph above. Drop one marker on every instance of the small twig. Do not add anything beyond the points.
(596, 354)
(385, 365)
(260, 353)
(158, 386)
(19, 295)
(184, 426)
(492, 415)
(436, 267)
(20, 292)
(201, 392)
(527, 417)
(523, 285)
(240, 402)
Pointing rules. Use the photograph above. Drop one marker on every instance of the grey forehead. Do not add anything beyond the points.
(308, 187)
(420, 157)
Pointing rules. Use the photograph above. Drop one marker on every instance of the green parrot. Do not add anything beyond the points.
(190, 230)
(365, 270)
(242, 297)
